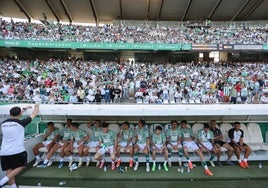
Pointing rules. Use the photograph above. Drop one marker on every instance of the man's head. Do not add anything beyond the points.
(125, 125)
(184, 124)
(69, 122)
(50, 125)
(174, 124)
(97, 123)
(158, 130)
(15, 111)
(213, 124)
(237, 125)
(74, 126)
(141, 123)
(105, 127)
(206, 127)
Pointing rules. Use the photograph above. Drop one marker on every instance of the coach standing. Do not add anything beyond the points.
(13, 154)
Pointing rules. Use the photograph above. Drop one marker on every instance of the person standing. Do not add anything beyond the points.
(13, 154)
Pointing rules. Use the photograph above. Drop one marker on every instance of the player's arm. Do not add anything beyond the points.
(35, 111)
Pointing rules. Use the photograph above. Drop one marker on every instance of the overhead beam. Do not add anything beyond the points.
(256, 5)
(186, 10)
(52, 10)
(121, 9)
(214, 9)
(240, 10)
(160, 10)
(22, 9)
(66, 11)
(94, 11)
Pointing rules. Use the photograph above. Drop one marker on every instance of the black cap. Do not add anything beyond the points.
(15, 111)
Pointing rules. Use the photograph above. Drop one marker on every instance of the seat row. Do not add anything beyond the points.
(252, 133)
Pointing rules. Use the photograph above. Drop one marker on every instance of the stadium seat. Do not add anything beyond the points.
(167, 126)
(115, 128)
(196, 127)
(59, 126)
(255, 136)
(225, 127)
(84, 127)
(247, 140)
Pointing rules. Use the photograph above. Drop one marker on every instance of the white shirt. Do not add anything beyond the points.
(13, 136)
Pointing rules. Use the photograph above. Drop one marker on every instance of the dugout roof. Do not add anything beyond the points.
(90, 11)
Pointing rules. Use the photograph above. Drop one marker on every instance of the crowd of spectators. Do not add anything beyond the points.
(77, 81)
(137, 34)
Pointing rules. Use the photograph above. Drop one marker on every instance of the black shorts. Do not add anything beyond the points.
(233, 144)
(14, 161)
(221, 143)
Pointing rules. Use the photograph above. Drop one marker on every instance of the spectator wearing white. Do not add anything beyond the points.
(80, 94)
(244, 94)
(264, 98)
(73, 98)
(37, 97)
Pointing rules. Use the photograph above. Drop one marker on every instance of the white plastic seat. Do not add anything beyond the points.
(245, 130)
(255, 136)
(59, 126)
(246, 138)
(167, 126)
(225, 127)
(196, 127)
(84, 127)
(115, 128)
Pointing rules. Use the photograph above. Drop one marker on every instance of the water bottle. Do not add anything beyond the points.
(159, 166)
(105, 168)
(125, 168)
(260, 166)
(62, 183)
(103, 146)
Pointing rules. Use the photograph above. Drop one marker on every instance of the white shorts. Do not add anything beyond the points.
(207, 145)
(124, 144)
(141, 146)
(109, 149)
(75, 145)
(61, 143)
(158, 146)
(169, 146)
(190, 145)
(46, 142)
(93, 144)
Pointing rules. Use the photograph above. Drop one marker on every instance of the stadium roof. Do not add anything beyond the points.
(90, 11)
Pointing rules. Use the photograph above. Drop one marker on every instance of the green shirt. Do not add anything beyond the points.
(159, 139)
(142, 135)
(66, 134)
(52, 135)
(173, 135)
(96, 134)
(79, 134)
(108, 138)
(205, 136)
(126, 135)
(186, 133)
